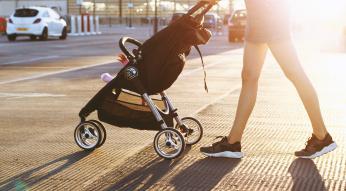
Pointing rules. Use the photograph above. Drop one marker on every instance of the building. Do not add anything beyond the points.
(113, 10)
(120, 10)
(8, 6)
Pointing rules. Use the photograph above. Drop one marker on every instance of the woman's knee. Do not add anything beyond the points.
(250, 76)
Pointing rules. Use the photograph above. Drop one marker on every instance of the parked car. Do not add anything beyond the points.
(212, 21)
(34, 22)
(236, 25)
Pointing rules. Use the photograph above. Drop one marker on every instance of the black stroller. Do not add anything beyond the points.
(136, 97)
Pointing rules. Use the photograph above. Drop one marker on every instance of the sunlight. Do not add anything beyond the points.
(319, 23)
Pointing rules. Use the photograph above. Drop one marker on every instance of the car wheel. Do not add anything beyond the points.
(44, 35)
(63, 34)
(11, 38)
(32, 37)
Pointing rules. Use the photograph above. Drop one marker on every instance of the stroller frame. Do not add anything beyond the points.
(169, 142)
(173, 139)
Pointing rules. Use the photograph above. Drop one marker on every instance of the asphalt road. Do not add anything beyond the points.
(43, 85)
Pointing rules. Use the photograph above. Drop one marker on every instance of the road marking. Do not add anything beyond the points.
(52, 73)
(100, 64)
(22, 95)
(189, 72)
(217, 99)
(30, 60)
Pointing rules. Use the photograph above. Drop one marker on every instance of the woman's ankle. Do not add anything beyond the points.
(232, 140)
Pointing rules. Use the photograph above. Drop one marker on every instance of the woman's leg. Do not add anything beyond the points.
(254, 55)
(286, 56)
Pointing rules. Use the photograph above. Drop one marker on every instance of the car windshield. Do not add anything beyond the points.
(26, 13)
(239, 16)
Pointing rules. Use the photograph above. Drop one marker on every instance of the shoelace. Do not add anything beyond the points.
(309, 143)
(218, 137)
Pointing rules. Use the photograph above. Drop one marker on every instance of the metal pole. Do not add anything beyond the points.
(130, 9)
(121, 11)
(155, 19)
(109, 15)
(175, 6)
(94, 8)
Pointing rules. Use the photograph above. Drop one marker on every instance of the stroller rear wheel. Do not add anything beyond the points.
(102, 131)
(87, 135)
(169, 143)
(192, 130)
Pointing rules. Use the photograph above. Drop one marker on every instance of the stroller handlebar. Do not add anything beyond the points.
(130, 40)
(201, 8)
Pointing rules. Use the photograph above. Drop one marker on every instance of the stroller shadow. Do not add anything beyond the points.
(148, 175)
(28, 178)
(305, 175)
(204, 174)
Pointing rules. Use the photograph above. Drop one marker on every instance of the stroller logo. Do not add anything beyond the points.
(131, 73)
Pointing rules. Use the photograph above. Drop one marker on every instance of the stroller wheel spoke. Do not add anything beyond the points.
(87, 135)
(169, 143)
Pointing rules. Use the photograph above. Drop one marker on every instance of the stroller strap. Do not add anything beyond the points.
(205, 74)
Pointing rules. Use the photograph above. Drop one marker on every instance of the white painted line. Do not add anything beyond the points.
(30, 60)
(216, 100)
(189, 72)
(22, 95)
(52, 73)
(99, 64)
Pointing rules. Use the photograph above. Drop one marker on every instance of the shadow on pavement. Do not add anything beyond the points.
(305, 175)
(31, 177)
(148, 175)
(204, 174)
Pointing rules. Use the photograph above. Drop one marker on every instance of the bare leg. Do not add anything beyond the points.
(286, 56)
(254, 55)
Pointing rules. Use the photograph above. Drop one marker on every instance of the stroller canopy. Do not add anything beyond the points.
(163, 55)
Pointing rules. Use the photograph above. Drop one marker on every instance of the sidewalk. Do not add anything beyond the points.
(38, 149)
(278, 127)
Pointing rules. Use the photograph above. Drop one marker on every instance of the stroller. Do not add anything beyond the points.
(136, 97)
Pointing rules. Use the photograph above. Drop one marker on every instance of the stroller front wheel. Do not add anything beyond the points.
(169, 143)
(102, 131)
(87, 135)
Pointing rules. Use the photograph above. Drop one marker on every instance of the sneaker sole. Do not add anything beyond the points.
(227, 154)
(325, 150)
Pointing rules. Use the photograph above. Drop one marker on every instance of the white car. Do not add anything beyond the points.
(36, 22)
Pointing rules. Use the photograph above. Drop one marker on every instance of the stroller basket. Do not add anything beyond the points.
(127, 109)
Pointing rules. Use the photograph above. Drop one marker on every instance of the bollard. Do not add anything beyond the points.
(97, 24)
(92, 26)
(85, 21)
(73, 26)
(79, 25)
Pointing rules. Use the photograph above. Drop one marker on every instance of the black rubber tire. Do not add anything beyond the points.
(33, 37)
(98, 131)
(63, 34)
(102, 130)
(44, 35)
(180, 137)
(11, 38)
(198, 124)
